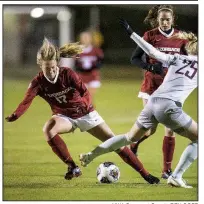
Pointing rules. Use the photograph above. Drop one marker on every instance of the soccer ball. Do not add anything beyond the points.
(108, 172)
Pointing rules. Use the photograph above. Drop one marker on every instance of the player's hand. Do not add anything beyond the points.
(11, 118)
(156, 68)
(127, 27)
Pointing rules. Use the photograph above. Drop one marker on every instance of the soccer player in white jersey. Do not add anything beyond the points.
(164, 105)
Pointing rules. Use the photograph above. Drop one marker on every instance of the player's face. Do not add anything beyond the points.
(165, 20)
(49, 68)
(86, 39)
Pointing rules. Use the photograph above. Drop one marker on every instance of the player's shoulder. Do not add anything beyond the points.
(151, 34)
(153, 31)
(38, 77)
(36, 80)
(176, 30)
(66, 71)
(188, 57)
(178, 58)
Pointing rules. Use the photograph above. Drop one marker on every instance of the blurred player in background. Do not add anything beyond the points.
(161, 18)
(164, 106)
(89, 62)
(98, 38)
(71, 107)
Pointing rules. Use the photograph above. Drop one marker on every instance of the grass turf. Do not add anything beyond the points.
(32, 172)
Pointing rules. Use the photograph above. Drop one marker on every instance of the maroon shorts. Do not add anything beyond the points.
(91, 79)
(150, 84)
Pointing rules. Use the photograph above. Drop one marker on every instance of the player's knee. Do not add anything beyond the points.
(151, 131)
(193, 137)
(48, 128)
(45, 128)
(169, 132)
(131, 137)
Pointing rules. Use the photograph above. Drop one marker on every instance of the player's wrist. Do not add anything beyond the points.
(129, 30)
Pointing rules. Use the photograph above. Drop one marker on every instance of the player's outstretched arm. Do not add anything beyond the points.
(148, 49)
(24, 105)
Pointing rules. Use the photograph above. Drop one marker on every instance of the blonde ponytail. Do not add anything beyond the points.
(191, 46)
(50, 52)
(70, 50)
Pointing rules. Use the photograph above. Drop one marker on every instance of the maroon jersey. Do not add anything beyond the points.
(68, 96)
(162, 42)
(90, 59)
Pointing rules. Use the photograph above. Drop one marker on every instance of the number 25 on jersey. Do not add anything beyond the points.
(189, 69)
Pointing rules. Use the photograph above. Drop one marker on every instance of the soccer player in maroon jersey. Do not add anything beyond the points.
(89, 62)
(161, 18)
(71, 107)
(164, 106)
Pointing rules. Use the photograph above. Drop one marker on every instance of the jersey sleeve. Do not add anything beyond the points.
(30, 94)
(138, 56)
(152, 51)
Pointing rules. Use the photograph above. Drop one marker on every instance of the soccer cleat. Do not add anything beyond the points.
(151, 179)
(134, 148)
(166, 174)
(85, 159)
(72, 172)
(177, 182)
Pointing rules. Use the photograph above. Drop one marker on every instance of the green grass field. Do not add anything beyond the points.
(32, 172)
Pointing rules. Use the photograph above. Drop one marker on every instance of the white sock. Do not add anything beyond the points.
(186, 159)
(110, 145)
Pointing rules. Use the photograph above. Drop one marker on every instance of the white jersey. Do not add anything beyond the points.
(181, 78)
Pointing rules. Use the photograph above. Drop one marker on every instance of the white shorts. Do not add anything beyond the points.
(93, 84)
(143, 95)
(165, 111)
(84, 123)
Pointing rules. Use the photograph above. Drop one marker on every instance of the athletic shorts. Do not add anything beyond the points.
(84, 123)
(91, 79)
(165, 111)
(150, 84)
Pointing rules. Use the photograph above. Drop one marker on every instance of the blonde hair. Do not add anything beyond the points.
(151, 18)
(192, 44)
(48, 51)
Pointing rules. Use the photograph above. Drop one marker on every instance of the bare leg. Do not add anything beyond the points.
(56, 125)
(167, 148)
(113, 143)
(191, 132)
(104, 133)
(134, 146)
(52, 129)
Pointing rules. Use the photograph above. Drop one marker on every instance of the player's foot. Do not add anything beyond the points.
(134, 148)
(85, 159)
(177, 182)
(166, 174)
(151, 179)
(72, 172)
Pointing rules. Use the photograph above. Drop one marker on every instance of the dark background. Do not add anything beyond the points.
(117, 45)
